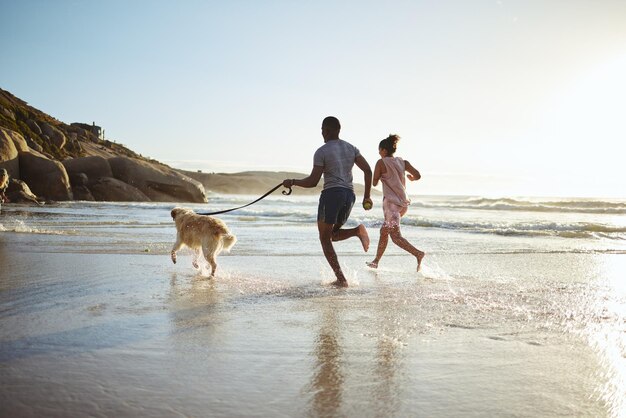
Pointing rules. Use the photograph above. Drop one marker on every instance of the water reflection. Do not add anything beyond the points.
(358, 363)
(194, 304)
(385, 392)
(327, 381)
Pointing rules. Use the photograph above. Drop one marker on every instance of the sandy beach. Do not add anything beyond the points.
(108, 326)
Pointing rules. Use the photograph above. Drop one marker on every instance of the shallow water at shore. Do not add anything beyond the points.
(98, 321)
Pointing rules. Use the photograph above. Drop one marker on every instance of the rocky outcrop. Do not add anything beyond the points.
(113, 190)
(32, 144)
(56, 136)
(78, 179)
(82, 193)
(160, 183)
(17, 138)
(8, 152)
(94, 167)
(155, 182)
(80, 190)
(11, 144)
(34, 127)
(8, 113)
(45, 177)
(19, 192)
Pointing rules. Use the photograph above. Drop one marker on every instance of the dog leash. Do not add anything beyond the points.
(286, 193)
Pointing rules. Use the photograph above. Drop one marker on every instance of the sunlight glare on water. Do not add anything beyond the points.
(607, 334)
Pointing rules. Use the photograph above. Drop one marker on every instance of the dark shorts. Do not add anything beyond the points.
(335, 205)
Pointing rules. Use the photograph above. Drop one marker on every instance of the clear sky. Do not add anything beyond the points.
(494, 98)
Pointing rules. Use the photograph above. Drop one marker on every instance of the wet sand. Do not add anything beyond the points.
(133, 335)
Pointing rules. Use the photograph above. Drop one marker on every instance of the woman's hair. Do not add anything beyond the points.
(389, 144)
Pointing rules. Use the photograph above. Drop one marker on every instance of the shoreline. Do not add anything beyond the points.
(91, 321)
(158, 337)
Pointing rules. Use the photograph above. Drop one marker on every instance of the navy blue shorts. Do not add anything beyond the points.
(335, 205)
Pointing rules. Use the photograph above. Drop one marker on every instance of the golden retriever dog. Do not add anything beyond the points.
(201, 232)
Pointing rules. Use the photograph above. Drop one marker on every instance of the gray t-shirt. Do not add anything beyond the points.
(337, 157)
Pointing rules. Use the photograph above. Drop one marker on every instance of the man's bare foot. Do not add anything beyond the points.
(364, 237)
(420, 256)
(372, 264)
(339, 283)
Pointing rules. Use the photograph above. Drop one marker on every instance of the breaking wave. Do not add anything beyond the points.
(510, 204)
(21, 227)
(564, 230)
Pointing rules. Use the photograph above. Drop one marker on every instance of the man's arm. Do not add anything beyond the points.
(307, 182)
(367, 171)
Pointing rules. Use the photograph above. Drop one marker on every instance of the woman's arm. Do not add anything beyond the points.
(379, 170)
(414, 174)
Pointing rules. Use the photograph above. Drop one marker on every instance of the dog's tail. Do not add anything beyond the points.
(228, 241)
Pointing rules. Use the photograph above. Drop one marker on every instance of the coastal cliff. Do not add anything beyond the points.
(48, 160)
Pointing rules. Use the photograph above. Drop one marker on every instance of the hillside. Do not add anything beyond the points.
(54, 138)
(49, 160)
(255, 182)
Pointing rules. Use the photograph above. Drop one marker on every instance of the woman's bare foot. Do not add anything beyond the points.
(339, 283)
(372, 264)
(420, 256)
(364, 237)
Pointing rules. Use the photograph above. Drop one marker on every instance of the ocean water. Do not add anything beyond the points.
(519, 310)
(460, 224)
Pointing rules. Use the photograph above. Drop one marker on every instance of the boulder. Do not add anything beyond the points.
(9, 153)
(73, 144)
(94, 167)
(78, 179)
(114, 190)
(33, 145)
(158, 182)
(8, 113)
(19, 192)
(46, 177)
(82, 193)
(79, 186)
(33, 126)
(18, 140)
(54, 134)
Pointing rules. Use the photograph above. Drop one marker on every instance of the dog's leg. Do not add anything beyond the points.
(213, 264)
(196, 256)
(209, 249)
(177, 245)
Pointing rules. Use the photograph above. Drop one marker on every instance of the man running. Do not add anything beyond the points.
(335, 160)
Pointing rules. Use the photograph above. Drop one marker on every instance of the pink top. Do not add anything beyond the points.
(393, 181)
